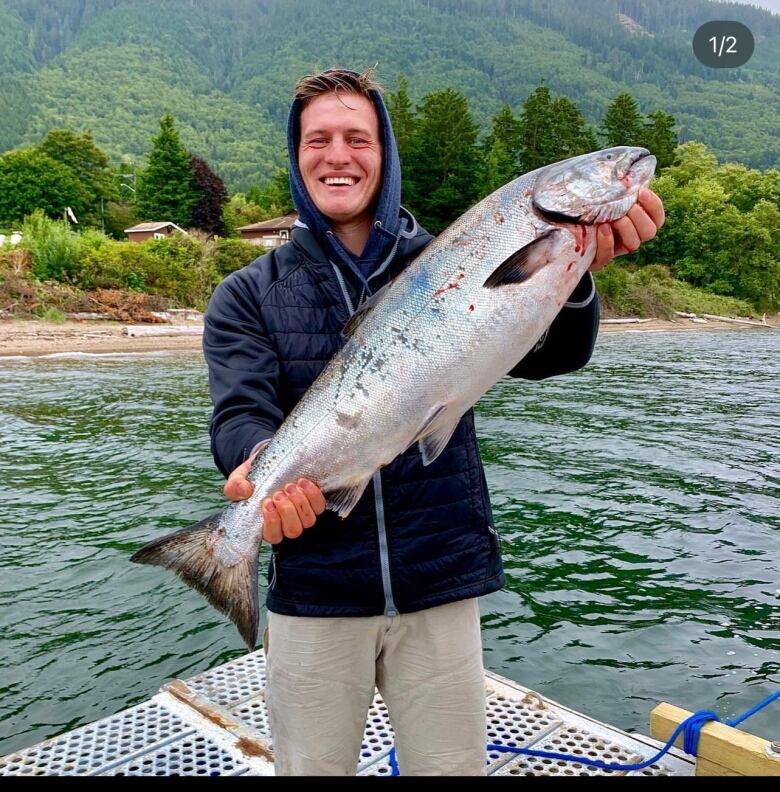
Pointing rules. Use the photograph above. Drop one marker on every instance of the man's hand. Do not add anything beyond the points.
(287, 512)
(623, 236)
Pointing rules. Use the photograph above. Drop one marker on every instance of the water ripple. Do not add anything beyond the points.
(638, 503)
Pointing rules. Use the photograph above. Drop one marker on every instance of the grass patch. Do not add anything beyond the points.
(53, 315)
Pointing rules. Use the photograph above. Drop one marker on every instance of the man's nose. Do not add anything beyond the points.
(338, 151)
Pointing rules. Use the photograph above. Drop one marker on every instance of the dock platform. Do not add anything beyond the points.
(216, 724)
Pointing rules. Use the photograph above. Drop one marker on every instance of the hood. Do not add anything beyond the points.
(387, 220)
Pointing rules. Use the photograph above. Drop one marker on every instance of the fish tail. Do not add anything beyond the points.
(230, 589)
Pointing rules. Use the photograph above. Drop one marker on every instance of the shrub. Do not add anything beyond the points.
(54, 249)
(230, 255)
(173, 267)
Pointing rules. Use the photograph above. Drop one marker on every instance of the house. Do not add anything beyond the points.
(14, 239)
(144, 231)
(270, 233)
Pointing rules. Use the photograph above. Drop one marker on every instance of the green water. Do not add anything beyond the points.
(638, 502)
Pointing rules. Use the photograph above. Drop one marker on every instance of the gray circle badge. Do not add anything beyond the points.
(723, 45)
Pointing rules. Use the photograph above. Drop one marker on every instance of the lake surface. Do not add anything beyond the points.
(638, 502)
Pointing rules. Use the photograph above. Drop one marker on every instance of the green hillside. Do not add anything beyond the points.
(225, 68)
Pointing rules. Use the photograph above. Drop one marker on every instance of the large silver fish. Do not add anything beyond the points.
(455, 321)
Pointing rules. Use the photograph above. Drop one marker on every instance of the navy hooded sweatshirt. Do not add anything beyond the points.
(419, 536)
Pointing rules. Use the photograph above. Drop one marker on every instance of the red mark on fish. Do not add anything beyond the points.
(498, 217)
(472, 307)
(580, 235)
(449, 286)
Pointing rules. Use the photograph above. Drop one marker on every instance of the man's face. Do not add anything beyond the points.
(340, 156)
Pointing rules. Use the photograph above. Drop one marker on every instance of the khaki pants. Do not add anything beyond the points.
(427, 666)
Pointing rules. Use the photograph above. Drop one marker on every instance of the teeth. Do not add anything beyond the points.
(334, 180)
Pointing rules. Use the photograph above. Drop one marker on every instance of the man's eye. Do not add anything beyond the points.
(358, 142)
(318, 142)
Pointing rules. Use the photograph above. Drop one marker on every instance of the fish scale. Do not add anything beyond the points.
(456, 320)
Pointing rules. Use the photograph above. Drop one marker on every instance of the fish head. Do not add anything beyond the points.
(593, 188)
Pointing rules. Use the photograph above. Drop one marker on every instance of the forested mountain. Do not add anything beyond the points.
(225, 68)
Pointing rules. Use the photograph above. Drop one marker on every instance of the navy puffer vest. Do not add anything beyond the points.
(419, 536)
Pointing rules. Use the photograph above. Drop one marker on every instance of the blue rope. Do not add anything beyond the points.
(691, 728)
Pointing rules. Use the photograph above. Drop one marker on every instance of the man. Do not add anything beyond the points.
(386, 597)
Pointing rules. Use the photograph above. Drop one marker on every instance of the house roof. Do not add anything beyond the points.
(283, 223)
(152, 227)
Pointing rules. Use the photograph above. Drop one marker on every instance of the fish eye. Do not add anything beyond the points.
(609, 156)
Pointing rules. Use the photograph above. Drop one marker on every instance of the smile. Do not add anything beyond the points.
(339, 181)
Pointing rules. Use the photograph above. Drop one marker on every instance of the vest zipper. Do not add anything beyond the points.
(379, 508)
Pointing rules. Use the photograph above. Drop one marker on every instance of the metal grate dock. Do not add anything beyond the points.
(216, 724)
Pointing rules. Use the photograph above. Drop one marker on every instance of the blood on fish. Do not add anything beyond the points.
(580, 237)
(499, 217)
(471, 307)
(571, 264)
(446, 288)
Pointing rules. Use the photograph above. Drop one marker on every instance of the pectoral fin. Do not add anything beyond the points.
(436, 432)
(522, 263)
(344, 499)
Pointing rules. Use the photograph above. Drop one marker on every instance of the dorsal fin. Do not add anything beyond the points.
(352, 323)
(521, 264)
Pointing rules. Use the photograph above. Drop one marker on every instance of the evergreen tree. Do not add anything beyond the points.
(167, 189)
(399, 107)
(30, 180)
(508, 130)
(498, 168)
(443, 160)
(552, 130)
(501, 151)
(536, 124)
(402, 117)
(89, 165)
(207, 213)
(622, 123)
(660, 137)
(572, 134)
(274, 198)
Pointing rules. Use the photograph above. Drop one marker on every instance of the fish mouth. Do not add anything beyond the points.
(640, 169)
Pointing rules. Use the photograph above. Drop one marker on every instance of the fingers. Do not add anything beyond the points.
(605, 248)
(304, 512)
(238, 487)
(653, 206)
(314, 495)
(291, 510)
(623, 236)
(272, 523)
(626, 232)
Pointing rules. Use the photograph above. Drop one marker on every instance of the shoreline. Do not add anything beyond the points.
(31, 338)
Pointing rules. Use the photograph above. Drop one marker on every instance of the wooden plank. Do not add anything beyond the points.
(135, 331)
(736, 321)
(248, 741)
(731, 749)
(628, 320)
(704, 767)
